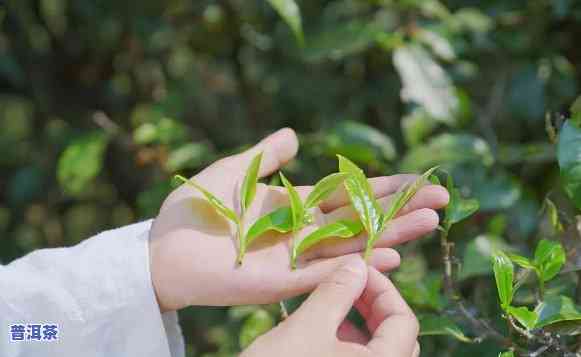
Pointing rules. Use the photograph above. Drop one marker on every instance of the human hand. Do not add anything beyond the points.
(319, 328)
(193, 249)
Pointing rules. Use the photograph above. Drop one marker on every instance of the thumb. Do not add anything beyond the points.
(277, 149)
(331, 301)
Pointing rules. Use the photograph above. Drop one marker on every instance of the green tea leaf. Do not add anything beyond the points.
(521, 261)
(324, 188)
(339, 229)
(553, 214)
(361, 195)
(279, 220)
(458, 208)
(549, 259)
(259, 323)
(213, 200)
(297, 208)
(406, 193)
(248, 189)
(81, 161)
(524, 316)
(569, 156)
(576, 112)
(555, 309)
(506, 354)
(291, 14)
(433, 325)
(504, 276)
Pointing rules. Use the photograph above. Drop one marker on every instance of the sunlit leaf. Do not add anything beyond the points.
(506, 354)
(569, 155)
(297, 208)
(426, 83)
(291, 14)
(549, 258)
(504, 276)
(254, 326)
(279, 220)
(325, 187)
(524, 316)
(339, 229)
(405, 195)
(81, 161)
(433, 325)
(213, 200)
(521, 261)
(362, 198)
(248, 189)
(553, 213)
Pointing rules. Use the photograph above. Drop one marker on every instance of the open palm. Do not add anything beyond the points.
(193, 249)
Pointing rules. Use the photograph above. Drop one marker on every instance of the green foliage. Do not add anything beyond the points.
(504, 276)
(458, 208)
(213, 200)
(549, 259)
(248, 189)
(172, 86)
(325, 187)
(81, 162)
(279, 220)
(434, 325)
(257, 324)
(338, 229)
(569, 155)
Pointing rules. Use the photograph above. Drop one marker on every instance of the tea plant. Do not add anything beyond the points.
(372, 216)
(540, 321)
(247, 194)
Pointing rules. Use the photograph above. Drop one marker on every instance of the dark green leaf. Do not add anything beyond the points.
(432, 325)
(504, 276)
(257, 324)
(213, 200)
(279, 220)
(324, 188)
(81, 161)
(569, 155)
(248, 189)
(297, 208)
(555, 309)
(549, 259)
(458, 208)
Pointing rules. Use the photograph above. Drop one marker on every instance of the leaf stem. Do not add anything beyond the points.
(369, 246)
(241, 241)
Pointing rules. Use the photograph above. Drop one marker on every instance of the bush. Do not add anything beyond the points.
(101, 102)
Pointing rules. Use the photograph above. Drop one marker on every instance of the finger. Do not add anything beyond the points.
(416, 352)
(392, 323)
(348, 332)
(277, 148)
(329, 304)
(401, 229)
(431, 196)
(382, 186)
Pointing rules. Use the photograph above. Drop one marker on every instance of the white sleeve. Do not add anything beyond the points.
(99, 295)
